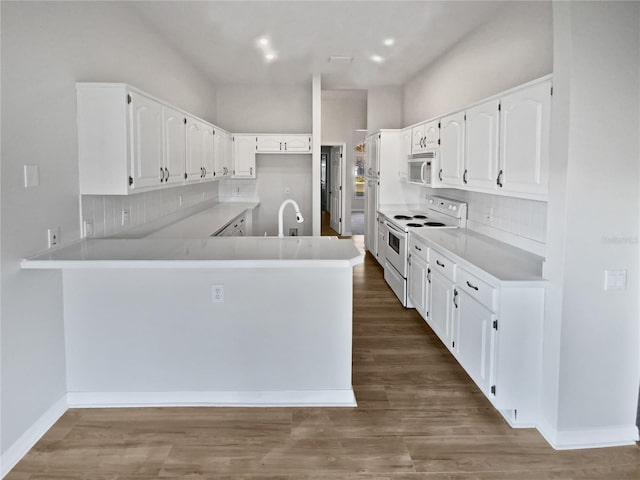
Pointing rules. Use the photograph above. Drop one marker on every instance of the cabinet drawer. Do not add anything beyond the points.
(442, 264)
(417, 248)
(478, 289)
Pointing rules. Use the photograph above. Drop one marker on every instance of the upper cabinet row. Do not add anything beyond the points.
(129, 142)
(500, 146)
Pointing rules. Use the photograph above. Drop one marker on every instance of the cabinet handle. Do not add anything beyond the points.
(205, 171)
(440, 264)
(499, 179)
(250, 170)
(455, 296)
(167, 172)
(417, 248)
(280, 145)
(161, 175)
(464, 176)
(440, 174)
(285, 146)
(472, 286)
(429, 275)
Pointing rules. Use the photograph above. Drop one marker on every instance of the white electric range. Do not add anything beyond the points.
(439, 212)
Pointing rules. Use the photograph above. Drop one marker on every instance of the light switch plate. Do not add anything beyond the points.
(615, 279)
(31, 176)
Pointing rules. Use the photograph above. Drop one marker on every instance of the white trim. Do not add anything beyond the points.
(284, 398)
(575, 439)
(28, 439)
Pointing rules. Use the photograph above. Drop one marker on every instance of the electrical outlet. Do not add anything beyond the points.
(125, 218)
(53, 236)
(217, 293)
(293, 232)
(88, 229)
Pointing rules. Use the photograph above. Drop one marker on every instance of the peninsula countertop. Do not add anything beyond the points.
(215, 252)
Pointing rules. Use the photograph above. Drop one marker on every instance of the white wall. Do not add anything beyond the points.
(384, 108)
(264, 108)
(277, 174)
(46, 48)
(344, 112)
(516, 46)
(591, 335)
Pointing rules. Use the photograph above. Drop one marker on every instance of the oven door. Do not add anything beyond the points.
(395, 250)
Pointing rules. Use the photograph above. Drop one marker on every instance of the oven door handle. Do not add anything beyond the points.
(395, 229)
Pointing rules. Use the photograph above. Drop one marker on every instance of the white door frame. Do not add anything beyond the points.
(342, 179)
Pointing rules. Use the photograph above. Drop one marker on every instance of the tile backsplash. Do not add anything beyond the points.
(104, 212)
(238, 190)
(504, 218)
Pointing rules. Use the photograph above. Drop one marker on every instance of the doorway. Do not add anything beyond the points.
(331, 187)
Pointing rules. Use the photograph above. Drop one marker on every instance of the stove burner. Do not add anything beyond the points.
(414, 225)
(435, 224)
(402, 217)
(420, 217)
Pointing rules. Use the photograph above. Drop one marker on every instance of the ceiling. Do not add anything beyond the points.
(221, 37)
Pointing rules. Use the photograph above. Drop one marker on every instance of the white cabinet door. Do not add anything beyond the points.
(269, 143)
(228, 155)
(296, 143)
(146, 137)
(371, 217)
(451, 150)
(218, 147)
(417, 284)
(441, 301)
(417, 138)
(482, 131)
(432, 135)
(373, 155)
(475, 339)
(174, 145)
(195, 150)
(209, 153)
(524, 140)
(244, 156)
(382, 241)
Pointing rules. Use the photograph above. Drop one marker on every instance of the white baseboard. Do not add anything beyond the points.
(28, 439)
(589, 438)
(285, 398)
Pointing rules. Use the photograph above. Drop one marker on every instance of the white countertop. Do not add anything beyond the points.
(216, 252)
(202, 224)
(500, 260)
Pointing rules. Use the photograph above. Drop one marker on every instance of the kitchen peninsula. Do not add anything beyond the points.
(213, 321)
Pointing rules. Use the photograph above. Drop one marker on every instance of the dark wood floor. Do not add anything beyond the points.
(419, 416)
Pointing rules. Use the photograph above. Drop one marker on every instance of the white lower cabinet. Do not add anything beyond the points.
(493, 329)
(474, 342)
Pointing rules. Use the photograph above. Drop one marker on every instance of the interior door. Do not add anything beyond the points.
(335, 190)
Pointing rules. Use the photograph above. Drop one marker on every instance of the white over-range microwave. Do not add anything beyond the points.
(421, 167)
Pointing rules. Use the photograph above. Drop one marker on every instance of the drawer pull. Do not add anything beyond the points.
(418, 248)
(455, 297)
(440, 264)
(471, 285)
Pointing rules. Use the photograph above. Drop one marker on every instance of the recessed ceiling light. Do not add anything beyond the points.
(377, 58)
(270, 57)
(264, 41)
(389, 42)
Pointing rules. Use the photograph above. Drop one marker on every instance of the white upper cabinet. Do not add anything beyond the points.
(425, 136)
(244, 156)
(481, 163)
(524, 140)
(283, 143)
(174, 145)
(195, 150)
(129, 141)
(146, 139)
(451, 150)
(405, 151)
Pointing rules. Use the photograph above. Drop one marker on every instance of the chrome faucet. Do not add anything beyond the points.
(299, 218)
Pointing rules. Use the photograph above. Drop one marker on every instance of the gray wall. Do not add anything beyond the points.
(344, 112)
(46, 48)
(514, 47)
